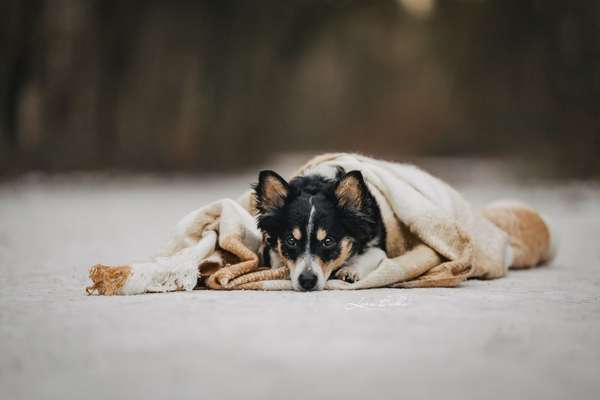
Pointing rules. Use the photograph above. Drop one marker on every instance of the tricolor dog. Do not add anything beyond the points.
(318, 226)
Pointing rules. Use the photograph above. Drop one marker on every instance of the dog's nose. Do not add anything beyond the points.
(307, 280)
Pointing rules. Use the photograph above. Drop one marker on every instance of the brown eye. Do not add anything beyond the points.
(329, 241)
(291, 241)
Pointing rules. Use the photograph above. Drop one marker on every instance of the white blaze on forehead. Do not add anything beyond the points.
(310, 225)
(307, 259)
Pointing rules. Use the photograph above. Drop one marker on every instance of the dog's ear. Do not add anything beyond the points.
(271, 191)
(350, 191)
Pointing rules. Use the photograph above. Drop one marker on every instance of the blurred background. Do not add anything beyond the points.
(223, 85)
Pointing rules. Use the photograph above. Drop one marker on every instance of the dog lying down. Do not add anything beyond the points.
(343, 221)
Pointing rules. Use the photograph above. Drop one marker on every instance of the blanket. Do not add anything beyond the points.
(434, 239)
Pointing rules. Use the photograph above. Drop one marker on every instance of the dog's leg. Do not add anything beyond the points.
(359, 266)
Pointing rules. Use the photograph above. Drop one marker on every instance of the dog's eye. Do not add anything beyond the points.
(328, 241)
(291, 241)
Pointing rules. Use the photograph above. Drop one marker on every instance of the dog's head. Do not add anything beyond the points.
(315, 224)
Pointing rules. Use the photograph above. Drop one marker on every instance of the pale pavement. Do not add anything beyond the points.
(534, 334)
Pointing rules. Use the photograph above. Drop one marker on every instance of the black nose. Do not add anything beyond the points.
(307, 280)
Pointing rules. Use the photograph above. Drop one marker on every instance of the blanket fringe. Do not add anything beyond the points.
(107, 280)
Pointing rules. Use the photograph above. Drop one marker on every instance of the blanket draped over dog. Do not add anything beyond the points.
(434, 239)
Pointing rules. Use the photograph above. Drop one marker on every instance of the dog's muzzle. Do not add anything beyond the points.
(307, 280)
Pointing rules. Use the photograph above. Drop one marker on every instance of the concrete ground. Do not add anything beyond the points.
(534, 334)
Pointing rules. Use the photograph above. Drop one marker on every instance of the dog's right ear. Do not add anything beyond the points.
(271, 191)
(350, 191)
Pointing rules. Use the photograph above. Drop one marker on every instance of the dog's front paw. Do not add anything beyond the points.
(348, 274)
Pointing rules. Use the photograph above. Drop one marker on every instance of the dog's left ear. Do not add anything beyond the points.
(351, 190)
(271, 191)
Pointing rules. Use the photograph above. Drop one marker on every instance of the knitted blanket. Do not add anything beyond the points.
(434, 239)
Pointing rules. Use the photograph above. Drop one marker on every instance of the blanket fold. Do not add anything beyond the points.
(434, 238)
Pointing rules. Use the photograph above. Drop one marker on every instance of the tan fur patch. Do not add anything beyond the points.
(297, 233)
(321, 234)
(348, 193)
(329, 267)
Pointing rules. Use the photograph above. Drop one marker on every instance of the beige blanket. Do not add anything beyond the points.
(434, 238)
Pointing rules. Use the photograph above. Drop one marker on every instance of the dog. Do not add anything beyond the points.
(318, 226)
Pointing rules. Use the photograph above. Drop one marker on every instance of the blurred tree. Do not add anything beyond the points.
(188, 85)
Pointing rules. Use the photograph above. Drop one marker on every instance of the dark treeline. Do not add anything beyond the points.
(190, 85)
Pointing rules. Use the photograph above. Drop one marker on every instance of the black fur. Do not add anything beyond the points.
(279, 212)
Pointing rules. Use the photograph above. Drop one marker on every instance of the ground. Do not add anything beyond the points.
(534, 334)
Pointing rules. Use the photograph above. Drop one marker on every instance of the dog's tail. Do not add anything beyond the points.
(532, 241)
